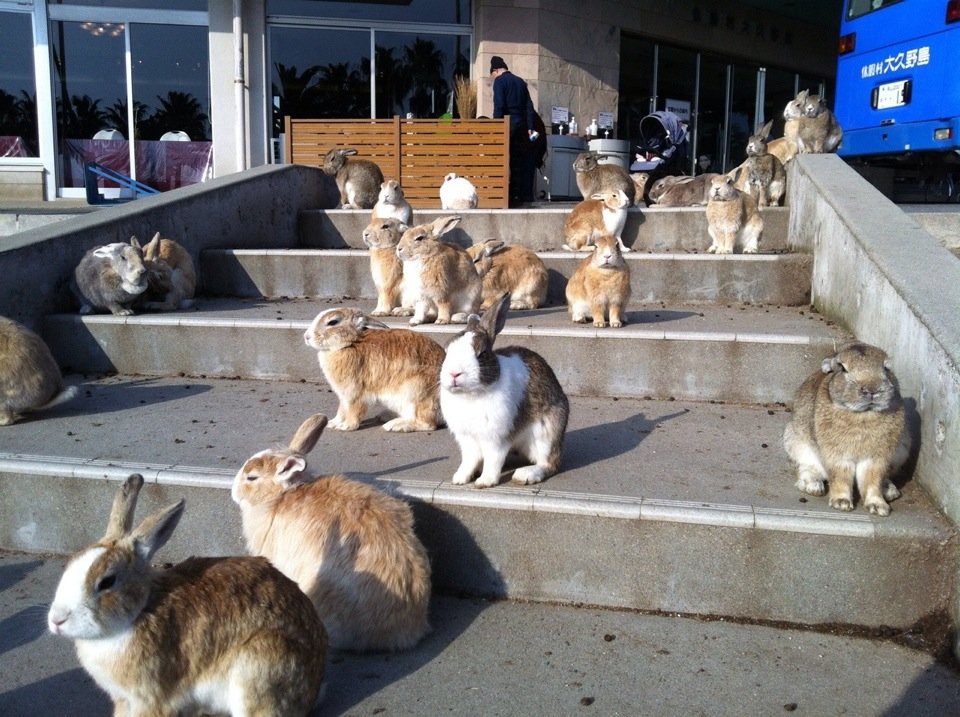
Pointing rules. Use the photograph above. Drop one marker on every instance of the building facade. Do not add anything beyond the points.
(201, 86)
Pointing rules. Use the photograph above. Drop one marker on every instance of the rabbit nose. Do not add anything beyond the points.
(454, 375)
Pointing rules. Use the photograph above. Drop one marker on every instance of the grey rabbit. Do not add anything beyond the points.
(681, 191)
(358, 180)
(811, 125)
(30, 379)
(594, 178)
(762, 175)
(110, 278)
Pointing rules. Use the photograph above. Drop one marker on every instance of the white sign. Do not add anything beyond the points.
(605, 120)
(681, 108)
(901, 61)
(559, 115)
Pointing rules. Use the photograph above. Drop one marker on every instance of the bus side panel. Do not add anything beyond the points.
(931, 65)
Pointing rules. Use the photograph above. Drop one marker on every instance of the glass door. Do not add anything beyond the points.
(115, 82)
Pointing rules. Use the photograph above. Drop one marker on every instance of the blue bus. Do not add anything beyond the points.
(898, 87)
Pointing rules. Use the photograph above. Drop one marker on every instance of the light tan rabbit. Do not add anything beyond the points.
(382, 237)
(603, 213)
(208, 635)
(600, 286)
(350, 547)
(783, 149)
(366, 363)
(440, 275)
(593, 177)
(358, 180)
(510, 269)
(849, 427)
(171, 276)
(761, 175)
(732, 218)
(30, 379)
(640, 180)
(681, 191)
(391, 204)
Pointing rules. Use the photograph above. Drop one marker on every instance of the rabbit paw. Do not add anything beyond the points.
(487, 481)
(600, 323)
(529, 475)
(877, 506)
(8, 418)
(461, 477)
(890, 491)
(616, 324)
(842, 503)
(580, 319)
(342, 424)
(402, 311)
(712, 249)
(811, 484)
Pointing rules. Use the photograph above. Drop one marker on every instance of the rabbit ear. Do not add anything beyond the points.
(765, 130)
(155, 530)
(831, 365)
(492, 246)
(105, 252)
(135, 243)
(441, 225)
(307, 435)
(348, 151)
(495, 317)
(124, 505)
(291, 467)
(598, 196)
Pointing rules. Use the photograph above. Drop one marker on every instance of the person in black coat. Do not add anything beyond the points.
(512, 98)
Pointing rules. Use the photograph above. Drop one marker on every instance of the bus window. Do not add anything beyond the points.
(859, 8)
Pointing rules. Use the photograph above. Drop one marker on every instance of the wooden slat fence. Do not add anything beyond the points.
(418, 152)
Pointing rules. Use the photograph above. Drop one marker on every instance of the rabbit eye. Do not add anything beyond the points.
(106, 583)
(333, 322)
(252, 477)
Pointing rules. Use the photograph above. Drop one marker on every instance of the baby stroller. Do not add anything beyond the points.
(663, 136)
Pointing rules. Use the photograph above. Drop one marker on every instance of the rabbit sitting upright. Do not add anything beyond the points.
(849, 428)
(30, 379)
(358, 180)
(392, 204)
(600, 286)
(457, 193)
(350, 547)
(762, 175)
(732, 218)
(498, 401)
(382, 237)
(593, 177)
(604, 213)
(208, 635)
(110, 278)
(171, 277)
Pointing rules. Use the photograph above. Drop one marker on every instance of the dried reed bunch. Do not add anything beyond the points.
(465, 93)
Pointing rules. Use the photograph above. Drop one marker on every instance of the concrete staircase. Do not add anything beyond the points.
(675, 496)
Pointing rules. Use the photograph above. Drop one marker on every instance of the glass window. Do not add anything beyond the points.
(743, 113)
(146, 4)
(711, 118)
(18, 92)
(445, 11)
(859, 8)
(636, 85)
(778, 91)
(415, 73)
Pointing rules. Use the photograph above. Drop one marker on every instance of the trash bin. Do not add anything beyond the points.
(618, 151)
(564, 149)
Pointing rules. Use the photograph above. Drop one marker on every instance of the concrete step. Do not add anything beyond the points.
(660, 505)
(514, 658)
(782, 279)
(732, 352)
(660, 229)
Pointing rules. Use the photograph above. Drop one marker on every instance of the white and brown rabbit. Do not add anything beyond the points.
(382, 237)
(681, 191)
(849, 428)
(761, 175)
(350, 547)
(367, 363)
(440, 275)
(501, 401)
(604, 213)
(208, 635)
(171, 276)
(358, 180)
(391, 204)
(732, 218)
(110, 278)
(600, 286)
(510, 269)
(30, 379)
(594, 178)
(457, 193)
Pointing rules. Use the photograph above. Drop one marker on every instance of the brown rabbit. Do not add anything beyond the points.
(783, 149)
(513, 270)
(391, 204)
(600, 286)
(818, 130)
(358, 180)
(603, 213)
(593, 177)
(350, 547)
(681, 191)
(367, 363)
(208, 635)
(732, 217)
(440, 275)
(30, 379)
(171, 277)
(849, 426)
(762, 175)
(382, 236)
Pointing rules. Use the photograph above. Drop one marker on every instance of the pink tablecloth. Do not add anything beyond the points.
(11, 146)
(162, 165)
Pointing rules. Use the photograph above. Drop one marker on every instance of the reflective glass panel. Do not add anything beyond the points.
(712, 116)
(415, 73)
(743, 113)
(144, 4)
(446, 11)
(779, 90)
(636, 85)
(18, 92)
